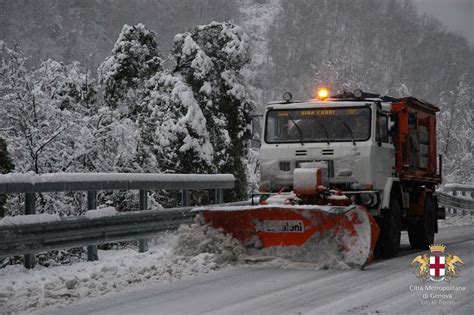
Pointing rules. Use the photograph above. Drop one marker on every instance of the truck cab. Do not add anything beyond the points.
(351, 135)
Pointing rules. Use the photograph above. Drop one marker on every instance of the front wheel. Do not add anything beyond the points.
(421, 233)
(390, 229)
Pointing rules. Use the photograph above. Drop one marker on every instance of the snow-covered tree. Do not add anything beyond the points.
(68, 86)
(175, 128)
(44, 120)
(44, 114)
(210, 59)
(456, 133)
(135, 58)
(6, 166)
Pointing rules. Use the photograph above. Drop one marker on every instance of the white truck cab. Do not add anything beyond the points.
(351, 136)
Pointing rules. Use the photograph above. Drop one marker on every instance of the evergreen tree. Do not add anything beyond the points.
(210, 59)
(175, 127)
(135, 58)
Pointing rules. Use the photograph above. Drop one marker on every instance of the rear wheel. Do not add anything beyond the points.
(390, 229)
(421, 233)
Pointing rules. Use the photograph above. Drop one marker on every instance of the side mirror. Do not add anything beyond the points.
(256, 130)
(392, 125)
(254, 142)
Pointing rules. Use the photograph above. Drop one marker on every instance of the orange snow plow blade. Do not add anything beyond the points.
(352, 228)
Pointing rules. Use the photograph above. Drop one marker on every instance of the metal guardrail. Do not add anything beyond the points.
(24, 183)
(81, 231)
(455, 199)
(455, 188)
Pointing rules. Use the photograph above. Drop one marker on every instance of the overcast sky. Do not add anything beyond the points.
(458, 15)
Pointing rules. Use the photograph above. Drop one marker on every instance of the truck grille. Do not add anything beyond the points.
(301, 152)
(284, 166)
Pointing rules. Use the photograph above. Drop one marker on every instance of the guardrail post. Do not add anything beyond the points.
(219, 196)
(92, 254)
(185, 198)
(30, 200)
(142, 243)
(456, 210)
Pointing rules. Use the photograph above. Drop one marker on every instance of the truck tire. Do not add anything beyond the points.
(390, 229)
(421, 233)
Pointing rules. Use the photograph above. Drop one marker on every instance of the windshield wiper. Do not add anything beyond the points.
(324, 128)
(348, 128)
(298, 128)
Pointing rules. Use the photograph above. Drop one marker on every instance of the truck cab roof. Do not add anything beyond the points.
(349, 99)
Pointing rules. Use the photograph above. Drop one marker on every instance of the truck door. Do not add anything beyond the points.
(384, 151)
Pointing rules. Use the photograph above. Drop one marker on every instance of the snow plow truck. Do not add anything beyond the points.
(355, 169)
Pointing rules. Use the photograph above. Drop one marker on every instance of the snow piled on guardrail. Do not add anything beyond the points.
(29, 219)
(49, 218)
(101, 213)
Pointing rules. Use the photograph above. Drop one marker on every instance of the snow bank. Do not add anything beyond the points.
(29, 219)
(196, 239)
(317, 253)
(190, 251)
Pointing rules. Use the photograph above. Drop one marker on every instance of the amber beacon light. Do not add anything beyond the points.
(323, 93)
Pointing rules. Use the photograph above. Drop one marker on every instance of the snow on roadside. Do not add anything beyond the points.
(196, 239)
(456, 220)
(171, 257)
(190, 251)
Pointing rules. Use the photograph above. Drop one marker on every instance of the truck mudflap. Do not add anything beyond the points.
(350, 229)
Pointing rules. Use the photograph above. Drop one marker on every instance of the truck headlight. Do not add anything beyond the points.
(369, 200)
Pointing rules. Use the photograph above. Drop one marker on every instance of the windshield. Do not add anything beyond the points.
(318, 125)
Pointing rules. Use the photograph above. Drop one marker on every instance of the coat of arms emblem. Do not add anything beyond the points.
(438, 266)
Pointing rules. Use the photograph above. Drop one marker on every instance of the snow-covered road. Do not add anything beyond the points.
(385, 286)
